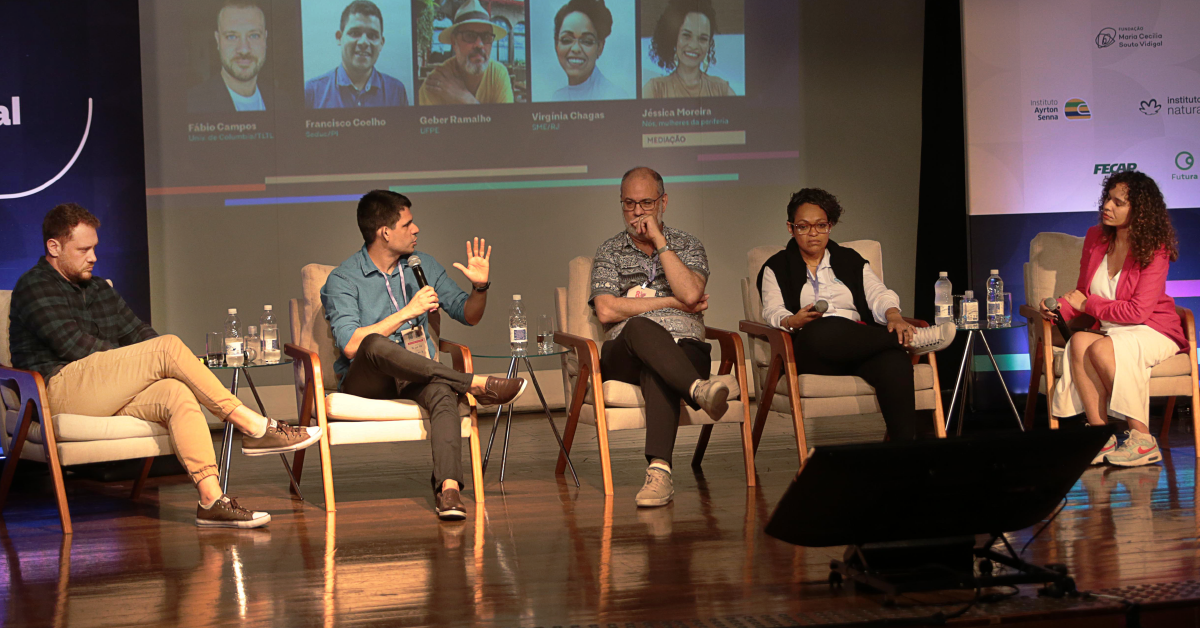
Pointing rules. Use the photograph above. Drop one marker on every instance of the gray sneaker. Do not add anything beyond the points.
(658, 490)
(712, 397)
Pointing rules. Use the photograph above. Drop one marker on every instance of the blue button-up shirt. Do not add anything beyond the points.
(355, 296)
(333, 90)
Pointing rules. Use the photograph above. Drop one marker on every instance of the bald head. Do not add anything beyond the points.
(642, 173)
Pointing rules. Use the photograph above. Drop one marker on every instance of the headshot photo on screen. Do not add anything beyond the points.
(357, 54)
(583, 49)
(229, 44)
(693, 48)
(469, 54)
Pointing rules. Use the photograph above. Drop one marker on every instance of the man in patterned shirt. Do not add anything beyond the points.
(99, 359)
(648, 291)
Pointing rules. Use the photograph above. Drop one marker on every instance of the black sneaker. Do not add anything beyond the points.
(225, 513)
(450, 506)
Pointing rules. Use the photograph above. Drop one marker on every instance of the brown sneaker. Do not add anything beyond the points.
(225, 513)
(280, 438)
(498, 391)
(450, 506)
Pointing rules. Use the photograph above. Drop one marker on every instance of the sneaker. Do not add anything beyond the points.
(712, 396)
(1137, 450)
(658, 490)
(930, 339)
(499, 391)
(279, 439)
(225, 513)
(1109, 447)
(450, 506)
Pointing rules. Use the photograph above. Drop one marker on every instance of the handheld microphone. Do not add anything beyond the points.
(414, 264)
(821, 306)
(1051, 304)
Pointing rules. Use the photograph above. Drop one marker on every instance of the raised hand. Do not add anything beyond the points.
(478, 262)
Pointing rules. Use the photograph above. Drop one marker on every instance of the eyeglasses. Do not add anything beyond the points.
(647, 204)
(803, 227)
(470, 37)
(587, 41)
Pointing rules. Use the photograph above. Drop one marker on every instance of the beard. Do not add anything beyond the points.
(238, 72)
(475, 64)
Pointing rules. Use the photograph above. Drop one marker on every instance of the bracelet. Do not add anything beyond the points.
(484, 288)
(663, 249)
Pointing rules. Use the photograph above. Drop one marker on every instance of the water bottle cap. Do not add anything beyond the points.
(995, 272)
(267, 308)
(969, 294)
(516, 297)
(943, 274)
(251, 330)
(233, 310)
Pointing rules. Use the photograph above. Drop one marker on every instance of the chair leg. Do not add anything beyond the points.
(605, 461)
(140, 482)
(327, 472)
(798, 422)
(568, 436)
(476, 458)
(701, 445)
(748, 445)
(1168, 414)
(768, 395)
(14, 455)
(939, 417)
(1035, 377)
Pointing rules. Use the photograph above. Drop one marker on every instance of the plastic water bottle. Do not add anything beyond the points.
(970, 310)
(269, 330)
(518, 327)
(235, 344)
(995, 300)
(943, 300)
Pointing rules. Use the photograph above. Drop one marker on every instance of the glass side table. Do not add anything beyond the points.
(532, 351)
(962, 382)
(227, 442)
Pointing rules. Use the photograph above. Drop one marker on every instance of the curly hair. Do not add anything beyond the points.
(595, 11)
(666, 32)
(818, 197)
(1149, 225)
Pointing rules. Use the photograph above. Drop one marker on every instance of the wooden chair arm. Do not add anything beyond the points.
(30, 388)
(780, 341)
(1189, 323)
(733, 353)
(589, 354)
(460, 355)
(1030, 312)
(916, 322)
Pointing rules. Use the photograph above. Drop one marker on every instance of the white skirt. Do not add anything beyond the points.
(1137, 348)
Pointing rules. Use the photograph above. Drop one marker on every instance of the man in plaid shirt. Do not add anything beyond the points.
(99, 359)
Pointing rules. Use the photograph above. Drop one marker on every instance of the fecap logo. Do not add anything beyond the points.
(1106, 37)
(1150, 107)
(1184, 161)
(1077, 109)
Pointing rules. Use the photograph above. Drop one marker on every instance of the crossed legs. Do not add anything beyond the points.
(1094, 368)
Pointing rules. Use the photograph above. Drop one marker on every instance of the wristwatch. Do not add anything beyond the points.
(663, 249)
(484, 288)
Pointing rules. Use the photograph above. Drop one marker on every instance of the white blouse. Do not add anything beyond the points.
(826, 285)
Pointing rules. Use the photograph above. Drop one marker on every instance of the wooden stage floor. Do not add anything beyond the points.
(545, 553)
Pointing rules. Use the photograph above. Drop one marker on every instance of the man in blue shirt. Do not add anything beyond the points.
(380, 321)
(356, 82)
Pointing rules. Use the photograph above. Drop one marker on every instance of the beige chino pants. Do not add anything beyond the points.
(158, 380)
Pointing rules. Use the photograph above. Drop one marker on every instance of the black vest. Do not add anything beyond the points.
(791, 275)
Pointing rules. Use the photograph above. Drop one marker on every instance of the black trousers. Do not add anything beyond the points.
(838, 346)
(645, 354)
(383, 369)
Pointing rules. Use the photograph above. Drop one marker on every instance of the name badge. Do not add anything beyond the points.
(641, 292)
(415, 341)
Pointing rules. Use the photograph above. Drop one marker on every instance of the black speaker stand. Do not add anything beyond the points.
(900, 567)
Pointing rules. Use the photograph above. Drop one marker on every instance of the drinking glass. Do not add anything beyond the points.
(545, 333)
(253, 343)
(214, 344)
(1006, 317)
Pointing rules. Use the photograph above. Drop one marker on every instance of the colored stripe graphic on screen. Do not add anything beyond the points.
(1007, 362)
(1184, 288)
(474, 187)
(782, 154)
(207, 189)
(539, 171)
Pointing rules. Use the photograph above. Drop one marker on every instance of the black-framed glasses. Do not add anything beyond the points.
(804, 227)
(647, 204)
(470, 37)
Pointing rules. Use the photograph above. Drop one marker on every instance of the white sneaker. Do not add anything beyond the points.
(929, 339)
(1138, 449)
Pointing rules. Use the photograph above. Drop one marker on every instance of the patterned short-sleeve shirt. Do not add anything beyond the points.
(619, 265)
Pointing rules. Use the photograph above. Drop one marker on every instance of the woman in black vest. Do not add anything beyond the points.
(855, 335)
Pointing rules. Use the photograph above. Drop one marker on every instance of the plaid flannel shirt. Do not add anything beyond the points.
(54, 322)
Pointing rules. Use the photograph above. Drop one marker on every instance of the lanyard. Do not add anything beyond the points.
(651, 270)
(403, 293)
(812, 278)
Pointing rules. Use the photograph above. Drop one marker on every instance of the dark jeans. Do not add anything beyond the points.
(838, 346)
(645, 354)
(383, 369)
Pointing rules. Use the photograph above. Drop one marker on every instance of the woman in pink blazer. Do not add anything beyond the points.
(1122, 284)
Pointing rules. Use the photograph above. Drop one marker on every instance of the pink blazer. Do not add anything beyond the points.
(1141, 292)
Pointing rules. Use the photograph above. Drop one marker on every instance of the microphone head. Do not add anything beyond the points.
(414, 261)
(1051, 303)
(821, 306)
